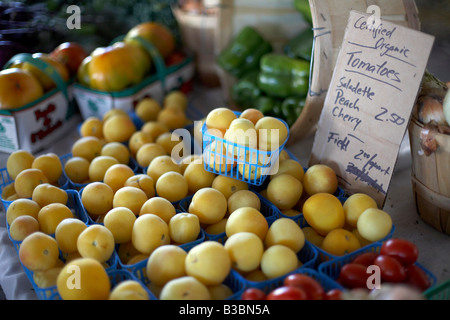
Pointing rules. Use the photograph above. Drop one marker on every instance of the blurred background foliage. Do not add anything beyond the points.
(43, 23)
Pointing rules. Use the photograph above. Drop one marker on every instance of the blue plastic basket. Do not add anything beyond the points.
(340, 192)
(138, 269)
(307, 255)
(51, 293)
(116, 276)
(325, 256)
(332, 268)
(269, 211)
(255, 164)
(74, 204)
(6, 180)
(233, 281)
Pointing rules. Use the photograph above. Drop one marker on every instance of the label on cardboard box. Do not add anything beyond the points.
(8, 133)
(36, 127)
(369, 102)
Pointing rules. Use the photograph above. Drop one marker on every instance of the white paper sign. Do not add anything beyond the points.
(369, 102)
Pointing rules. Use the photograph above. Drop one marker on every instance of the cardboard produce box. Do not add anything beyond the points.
(42, 122)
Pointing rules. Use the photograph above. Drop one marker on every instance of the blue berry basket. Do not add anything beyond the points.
(74, 204)
(338, 193)
(51, 293)
(6, 181)
(116, 276)
(307, 255)
(269, 211)
(332, 267)
(237, 161)
(138, 269)
(325, 256)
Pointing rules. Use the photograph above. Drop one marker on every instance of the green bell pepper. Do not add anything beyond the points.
(291, 108)
(246, 91)
(281, 76)
(303, 7)
(244, 52)
(300, 47)
(268, 106)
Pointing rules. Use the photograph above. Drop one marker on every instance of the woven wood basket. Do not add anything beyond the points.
(329, 22)
(430, 178)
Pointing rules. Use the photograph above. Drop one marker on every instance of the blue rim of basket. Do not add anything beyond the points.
(439, 291)
(331, 268)
(208, 138)
(307, 255)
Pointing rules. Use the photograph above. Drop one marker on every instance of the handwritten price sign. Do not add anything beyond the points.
(369, 102)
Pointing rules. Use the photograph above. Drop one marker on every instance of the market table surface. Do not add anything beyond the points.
(434, 247)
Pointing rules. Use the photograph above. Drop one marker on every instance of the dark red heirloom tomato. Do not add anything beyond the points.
(403, 250)
(287, 293)
(333, 294)
(313, 288)
(366, 258)
(416, 277)
(391, 270)
(253, 294)
(353, 275)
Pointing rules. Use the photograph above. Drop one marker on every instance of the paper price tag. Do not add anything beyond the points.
(369, 102)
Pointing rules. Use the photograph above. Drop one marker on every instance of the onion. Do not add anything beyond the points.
(431, 110)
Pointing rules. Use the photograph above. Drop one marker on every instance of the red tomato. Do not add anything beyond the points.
(71, 54)
(333, 294)
(403, 250)
(416, 277)
(313, 288)
(287, 293)
(390, 268)
(253, 294)
(353, 275)
(175, 58)
(366, 258)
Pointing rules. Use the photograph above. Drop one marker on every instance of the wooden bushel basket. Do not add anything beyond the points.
(329, 22)
(430, 178)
